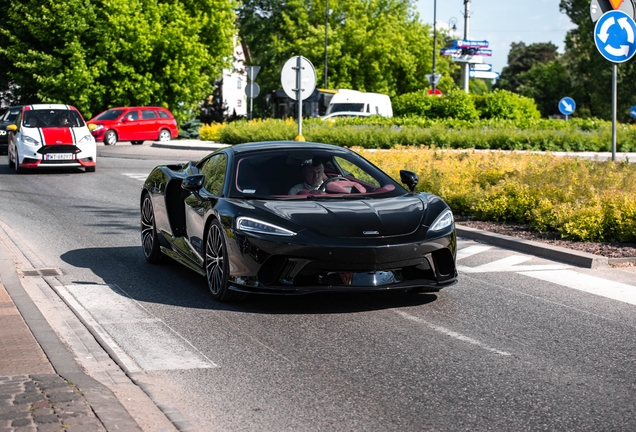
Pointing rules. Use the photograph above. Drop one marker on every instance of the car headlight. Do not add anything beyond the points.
(443, 221)
(98, 127)
(256, 226)
(87, 139)
(29, 140)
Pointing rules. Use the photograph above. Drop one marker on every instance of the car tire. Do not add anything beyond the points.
(149, 238)
(110, 137)
(216, 265)
(136, 142)
(164, 135)
(90, 169)
(16, 163)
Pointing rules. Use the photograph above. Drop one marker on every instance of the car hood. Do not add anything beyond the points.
(353, 218)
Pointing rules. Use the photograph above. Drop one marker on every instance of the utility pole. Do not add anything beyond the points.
(434, 80)
(326, 38)
(466, 67)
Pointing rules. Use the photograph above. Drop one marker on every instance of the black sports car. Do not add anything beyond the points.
(7, 118)
(247, 219)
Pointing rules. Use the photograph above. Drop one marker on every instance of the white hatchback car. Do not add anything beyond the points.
(51, 136)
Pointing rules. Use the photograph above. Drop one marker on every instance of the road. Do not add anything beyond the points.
(520, 343)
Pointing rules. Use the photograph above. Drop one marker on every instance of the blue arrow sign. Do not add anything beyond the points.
(615, 36)
(567, 106)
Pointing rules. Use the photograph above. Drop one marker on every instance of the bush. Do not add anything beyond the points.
(580, 199)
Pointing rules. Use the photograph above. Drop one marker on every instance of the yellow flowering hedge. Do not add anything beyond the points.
(582, 199)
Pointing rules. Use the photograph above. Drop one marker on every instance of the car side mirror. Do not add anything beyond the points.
(409, 178)
(12, 127)
(193, 183)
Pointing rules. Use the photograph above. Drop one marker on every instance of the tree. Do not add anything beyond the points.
(374, 45)
(522, 58)
(96, 54)
(546, 83)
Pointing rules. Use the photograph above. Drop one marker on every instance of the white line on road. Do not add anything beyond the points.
(590, 284)
(471, 250)
(132, 332)
(510, 264)
(136, 176)
(452, 333)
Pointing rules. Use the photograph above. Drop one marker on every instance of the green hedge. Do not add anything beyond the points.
(378, 132)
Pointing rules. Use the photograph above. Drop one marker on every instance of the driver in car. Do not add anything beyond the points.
(313, 172)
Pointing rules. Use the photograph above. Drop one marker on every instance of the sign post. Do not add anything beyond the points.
(298, 79)
(615, 38)
(252, 89)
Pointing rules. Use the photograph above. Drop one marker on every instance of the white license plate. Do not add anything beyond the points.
(58, 156)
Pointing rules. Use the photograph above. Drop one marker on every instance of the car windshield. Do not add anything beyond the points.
(111, 114)
(338, 107)
(11, 115)
(310, 174)
(52, 118)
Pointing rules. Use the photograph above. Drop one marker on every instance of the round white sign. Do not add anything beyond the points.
(288, 77)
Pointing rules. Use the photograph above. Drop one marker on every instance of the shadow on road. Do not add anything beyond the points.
(174, 284)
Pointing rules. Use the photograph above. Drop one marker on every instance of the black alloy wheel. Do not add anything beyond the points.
(216, 265)
(110, 138)
(149, 237)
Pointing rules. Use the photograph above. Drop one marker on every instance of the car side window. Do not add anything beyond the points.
(148, 114)
(214, 172)
(164, 114)
(132, 115)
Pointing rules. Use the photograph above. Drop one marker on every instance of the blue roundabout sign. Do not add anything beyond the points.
(615, 36)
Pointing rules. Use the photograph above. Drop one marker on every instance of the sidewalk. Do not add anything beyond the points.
(42, 388)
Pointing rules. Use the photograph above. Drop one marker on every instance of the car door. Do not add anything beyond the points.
(148, 123)
(196, 207)
(128, 126)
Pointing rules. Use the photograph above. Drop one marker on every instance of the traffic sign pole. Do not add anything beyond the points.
(299, 98)
(614, 105)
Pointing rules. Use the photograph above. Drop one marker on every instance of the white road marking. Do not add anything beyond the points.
(471, 250)
(590, 284)
(136, 176)
(132, 332)
(510, 264)
(452, 333)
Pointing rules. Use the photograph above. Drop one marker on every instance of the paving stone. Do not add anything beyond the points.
(21, 422)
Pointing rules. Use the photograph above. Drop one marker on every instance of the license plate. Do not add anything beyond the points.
(58, 156)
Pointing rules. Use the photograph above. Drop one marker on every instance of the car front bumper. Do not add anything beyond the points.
(263, 266)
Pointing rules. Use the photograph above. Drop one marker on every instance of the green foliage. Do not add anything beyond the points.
(502, 104)
(521, 59)
(189, 129)
(461, 106)
(373, 45)
(96, 54)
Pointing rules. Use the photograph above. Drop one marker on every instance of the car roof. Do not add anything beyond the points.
(49, 106)
(239, 149)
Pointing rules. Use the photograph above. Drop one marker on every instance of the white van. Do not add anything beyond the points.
(355, 102)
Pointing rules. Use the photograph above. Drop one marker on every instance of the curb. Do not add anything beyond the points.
(557, 253)
(189, 145)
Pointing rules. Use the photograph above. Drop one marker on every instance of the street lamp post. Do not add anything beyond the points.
(326, 38)
(433, 80)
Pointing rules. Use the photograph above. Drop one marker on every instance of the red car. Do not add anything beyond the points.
(134, 124)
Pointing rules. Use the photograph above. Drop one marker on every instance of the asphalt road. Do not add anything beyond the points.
(520, 343)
